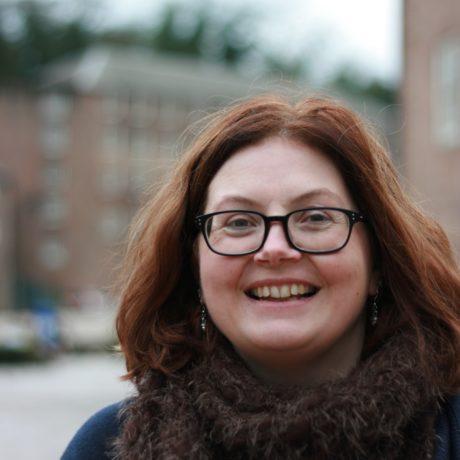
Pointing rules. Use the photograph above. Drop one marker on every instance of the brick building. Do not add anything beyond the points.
(431, 101)
(7, 241)
(83, 149)
(104, 126)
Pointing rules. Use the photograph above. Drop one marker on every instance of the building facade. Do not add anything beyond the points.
(7, 242)
(431, 101)
(104, 128)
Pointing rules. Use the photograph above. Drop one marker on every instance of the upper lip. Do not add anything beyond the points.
(279, 282)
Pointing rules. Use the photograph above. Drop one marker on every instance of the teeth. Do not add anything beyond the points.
(285, 291)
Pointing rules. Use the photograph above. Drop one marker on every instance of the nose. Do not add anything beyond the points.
(276, 248)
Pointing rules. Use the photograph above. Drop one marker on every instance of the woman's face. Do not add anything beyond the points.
(276, 177)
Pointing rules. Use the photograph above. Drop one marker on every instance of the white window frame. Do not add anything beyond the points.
(446, 93)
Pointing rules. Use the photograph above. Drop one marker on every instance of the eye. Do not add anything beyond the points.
(317, 216)
(314, 218)
(240, 222)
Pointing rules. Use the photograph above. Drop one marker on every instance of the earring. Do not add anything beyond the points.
(203, 316)
(374, 310)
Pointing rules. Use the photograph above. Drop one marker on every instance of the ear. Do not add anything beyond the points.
(375, 281)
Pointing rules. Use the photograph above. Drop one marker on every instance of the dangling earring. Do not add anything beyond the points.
(203, 316)
(375, 309)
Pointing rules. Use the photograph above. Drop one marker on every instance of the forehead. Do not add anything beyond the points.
(277, 173)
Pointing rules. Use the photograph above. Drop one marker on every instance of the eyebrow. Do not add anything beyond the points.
(311, 194)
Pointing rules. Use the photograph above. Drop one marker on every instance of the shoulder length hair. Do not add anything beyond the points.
(158, 319)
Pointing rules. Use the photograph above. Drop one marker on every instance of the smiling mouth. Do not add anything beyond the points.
(282, 293)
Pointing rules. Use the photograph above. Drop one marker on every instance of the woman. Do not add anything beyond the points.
(283, 298)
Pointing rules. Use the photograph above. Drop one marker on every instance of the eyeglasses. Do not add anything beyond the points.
(317, 230)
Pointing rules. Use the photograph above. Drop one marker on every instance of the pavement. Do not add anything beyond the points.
(42, 405)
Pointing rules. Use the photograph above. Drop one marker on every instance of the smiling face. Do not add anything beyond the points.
(286, 312)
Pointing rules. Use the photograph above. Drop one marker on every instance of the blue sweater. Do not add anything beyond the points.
(92, 440)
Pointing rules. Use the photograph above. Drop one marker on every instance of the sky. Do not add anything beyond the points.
(366, 33)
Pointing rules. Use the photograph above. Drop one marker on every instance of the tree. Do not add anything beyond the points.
(207, 38)
(350, 81)
(41, 40)
(199, 32)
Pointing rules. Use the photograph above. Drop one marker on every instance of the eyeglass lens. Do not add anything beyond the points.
(317, 230)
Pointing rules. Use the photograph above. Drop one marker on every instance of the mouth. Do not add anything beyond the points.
(282, 292)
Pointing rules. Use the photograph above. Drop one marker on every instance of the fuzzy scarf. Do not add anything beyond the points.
(217, 409)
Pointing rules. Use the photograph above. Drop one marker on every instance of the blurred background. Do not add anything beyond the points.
(95, 97)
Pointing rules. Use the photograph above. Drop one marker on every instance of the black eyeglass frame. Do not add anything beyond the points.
(353, 218)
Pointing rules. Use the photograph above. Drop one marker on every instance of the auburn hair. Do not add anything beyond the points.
(158, 318)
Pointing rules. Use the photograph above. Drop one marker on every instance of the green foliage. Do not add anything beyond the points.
(200, 32)
(166, 38)
(41, 41)
(350, 81)
(205, 36)
(121, 37)
(293, 69)
(44, 38)
(25, 355)
(8, 59)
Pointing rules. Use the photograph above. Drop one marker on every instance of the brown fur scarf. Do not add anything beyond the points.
(217, 409)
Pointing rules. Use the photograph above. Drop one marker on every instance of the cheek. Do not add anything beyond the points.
(348, 272)
(339, 273)
(219, 278)
(219, 275)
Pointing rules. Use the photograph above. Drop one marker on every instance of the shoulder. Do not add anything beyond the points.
(448, 430)
(92, 440)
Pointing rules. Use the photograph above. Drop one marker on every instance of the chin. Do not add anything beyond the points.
(281, 339)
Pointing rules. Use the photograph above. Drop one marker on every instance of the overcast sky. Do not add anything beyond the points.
(364, 32)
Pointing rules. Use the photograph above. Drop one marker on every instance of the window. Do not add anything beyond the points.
(141, 143)
(54, 141)
(111, 141)
(143, 112)
(142, 173)
(52, 254)
(112, 180)
(54, 112)
(55, 108)
(168, 112)
(53, 212)
(446, 94)
(54, 176)
(116, 108)
(112, 224)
